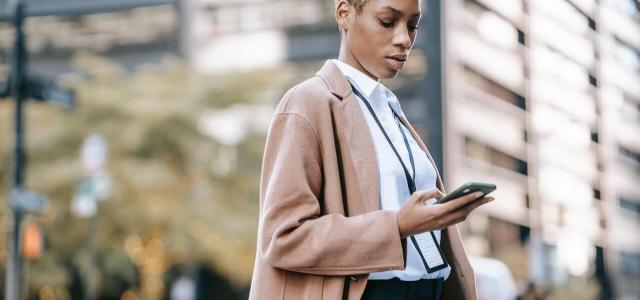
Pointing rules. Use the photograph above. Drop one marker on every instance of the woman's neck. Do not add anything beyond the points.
(347, 57)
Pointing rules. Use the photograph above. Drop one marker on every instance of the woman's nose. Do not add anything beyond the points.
(402, 38)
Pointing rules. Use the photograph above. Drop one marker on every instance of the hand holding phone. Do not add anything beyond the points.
(416, 216)
(468, 188)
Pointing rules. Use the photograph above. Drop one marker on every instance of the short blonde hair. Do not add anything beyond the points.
(358, 4)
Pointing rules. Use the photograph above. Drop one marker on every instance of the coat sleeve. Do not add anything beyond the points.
(293, 235)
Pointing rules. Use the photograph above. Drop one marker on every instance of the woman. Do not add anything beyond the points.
(347, 187)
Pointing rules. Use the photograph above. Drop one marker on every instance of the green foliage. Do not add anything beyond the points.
(168, 204)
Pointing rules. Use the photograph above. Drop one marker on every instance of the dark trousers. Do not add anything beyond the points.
(396, 289)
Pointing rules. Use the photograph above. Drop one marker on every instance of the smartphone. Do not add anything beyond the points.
(468, 188)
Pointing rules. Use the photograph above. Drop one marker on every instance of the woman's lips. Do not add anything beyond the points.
(396, 63)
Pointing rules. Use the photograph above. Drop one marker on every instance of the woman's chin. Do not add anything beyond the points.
(389, 73)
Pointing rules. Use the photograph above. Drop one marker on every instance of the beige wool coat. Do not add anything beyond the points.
(321, 230)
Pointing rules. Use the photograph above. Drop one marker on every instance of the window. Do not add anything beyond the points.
(627, 55)
(492, 88)
(629, 204)
(630, 264)
(629, 7)
(629, 154)
(492, 156)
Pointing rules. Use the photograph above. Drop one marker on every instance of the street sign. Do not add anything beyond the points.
(27, 201)
(44, 90)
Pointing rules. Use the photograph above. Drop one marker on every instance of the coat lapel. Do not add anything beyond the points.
(362, 152)
(360, 146)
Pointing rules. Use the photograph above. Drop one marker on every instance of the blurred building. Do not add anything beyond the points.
(132, 32)
(211, 35)
(222, 35)
(542, 98)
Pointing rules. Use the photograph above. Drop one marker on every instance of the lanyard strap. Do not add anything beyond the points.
(410, 179)
(406, 144)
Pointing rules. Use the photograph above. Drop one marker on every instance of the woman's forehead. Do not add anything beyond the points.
(410, 8)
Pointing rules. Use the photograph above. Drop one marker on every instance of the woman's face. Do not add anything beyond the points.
(377, 40)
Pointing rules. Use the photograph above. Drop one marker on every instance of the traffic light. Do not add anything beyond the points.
(32, 241)
(42, 90)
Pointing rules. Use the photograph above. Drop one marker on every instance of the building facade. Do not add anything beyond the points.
(542, 98)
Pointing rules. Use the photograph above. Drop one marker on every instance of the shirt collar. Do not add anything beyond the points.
(368, 86)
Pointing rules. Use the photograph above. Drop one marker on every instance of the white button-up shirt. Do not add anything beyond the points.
(394, 191)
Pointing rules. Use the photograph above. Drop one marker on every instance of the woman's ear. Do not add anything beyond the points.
(343, 11)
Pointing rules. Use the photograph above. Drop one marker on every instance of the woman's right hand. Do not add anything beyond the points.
(416, 217)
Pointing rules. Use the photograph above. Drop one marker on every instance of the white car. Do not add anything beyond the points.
(494, 281)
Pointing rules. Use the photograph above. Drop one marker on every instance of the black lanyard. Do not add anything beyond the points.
(411, 183)
(410, 180)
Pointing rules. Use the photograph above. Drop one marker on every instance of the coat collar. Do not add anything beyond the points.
(335, 80)
(360, 146)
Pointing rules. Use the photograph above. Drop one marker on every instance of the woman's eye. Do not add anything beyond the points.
(386, 24)
(413, 28)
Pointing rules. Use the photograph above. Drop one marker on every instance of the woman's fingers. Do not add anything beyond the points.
(459, 215)
(459, 202)
(414, 218)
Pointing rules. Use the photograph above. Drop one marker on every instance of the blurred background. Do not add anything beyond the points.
(146, 120)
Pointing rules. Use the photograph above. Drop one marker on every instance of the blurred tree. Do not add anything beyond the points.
(171, 201)
(576, 288)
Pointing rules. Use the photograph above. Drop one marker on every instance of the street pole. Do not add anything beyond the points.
(14, 263)
(94, 188)
(90, 288)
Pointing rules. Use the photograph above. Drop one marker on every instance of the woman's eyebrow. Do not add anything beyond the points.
(399, 12)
